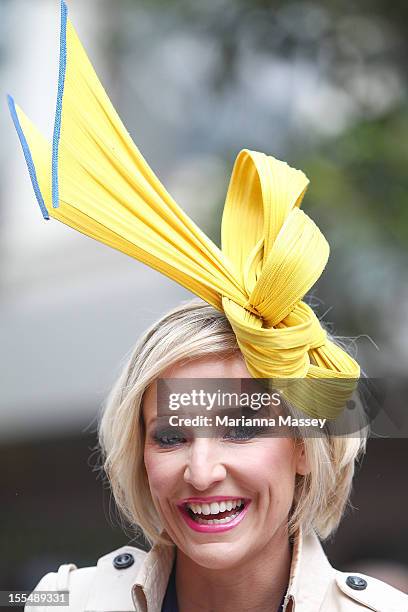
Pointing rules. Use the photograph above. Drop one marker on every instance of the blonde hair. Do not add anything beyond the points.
(190, 331)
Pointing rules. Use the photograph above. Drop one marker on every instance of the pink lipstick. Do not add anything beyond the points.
(198, 521)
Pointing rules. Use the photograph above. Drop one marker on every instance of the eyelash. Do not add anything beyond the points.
(159, 437)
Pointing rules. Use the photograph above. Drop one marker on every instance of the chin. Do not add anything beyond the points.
(217, 555)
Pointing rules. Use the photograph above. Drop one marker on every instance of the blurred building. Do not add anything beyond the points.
(70, 308)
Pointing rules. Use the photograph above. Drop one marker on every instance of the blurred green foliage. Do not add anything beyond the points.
(363, 173)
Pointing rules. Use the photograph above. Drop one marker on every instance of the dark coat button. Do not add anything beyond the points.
(123, 561)
(356, 582)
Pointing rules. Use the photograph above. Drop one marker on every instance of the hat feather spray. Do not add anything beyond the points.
(93, 178)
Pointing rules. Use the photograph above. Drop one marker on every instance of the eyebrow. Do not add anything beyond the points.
(156, 421)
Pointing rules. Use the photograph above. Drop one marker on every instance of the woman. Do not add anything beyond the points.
(266, 497)
(276, 497)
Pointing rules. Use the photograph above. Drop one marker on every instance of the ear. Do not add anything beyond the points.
(302, 464)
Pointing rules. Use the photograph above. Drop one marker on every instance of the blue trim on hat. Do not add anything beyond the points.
(28, 157)
(58, 110)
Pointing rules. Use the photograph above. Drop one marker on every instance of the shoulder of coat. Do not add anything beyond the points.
(69, 576)
(111, 563)
(136, 555)
(372, 593)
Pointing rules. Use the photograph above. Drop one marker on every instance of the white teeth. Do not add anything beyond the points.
(227, 519)
(215, 507)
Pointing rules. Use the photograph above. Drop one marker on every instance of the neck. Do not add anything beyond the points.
(258, 583)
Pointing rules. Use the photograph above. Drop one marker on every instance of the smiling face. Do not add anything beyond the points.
(245, 485)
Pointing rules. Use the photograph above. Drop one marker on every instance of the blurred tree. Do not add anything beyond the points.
(363, 173)
(358, 195)
(360, 46)
(344, 121)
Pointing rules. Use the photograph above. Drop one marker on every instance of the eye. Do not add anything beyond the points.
(167, 438)
(243, 433)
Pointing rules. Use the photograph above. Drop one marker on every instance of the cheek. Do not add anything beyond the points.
(269, 460)
(273, 468)
(162, 472)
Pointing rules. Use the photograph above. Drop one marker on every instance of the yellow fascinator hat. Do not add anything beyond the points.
(93, 178)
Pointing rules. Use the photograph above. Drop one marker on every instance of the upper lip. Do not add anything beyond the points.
(208, 500)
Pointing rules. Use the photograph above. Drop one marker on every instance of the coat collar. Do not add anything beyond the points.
(151, 581)
(310, 576)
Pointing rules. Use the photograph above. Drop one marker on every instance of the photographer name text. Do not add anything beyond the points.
(242, 421)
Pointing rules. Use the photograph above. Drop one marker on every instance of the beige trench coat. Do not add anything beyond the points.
(314, 586)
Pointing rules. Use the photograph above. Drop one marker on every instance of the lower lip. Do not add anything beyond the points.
(214, 528)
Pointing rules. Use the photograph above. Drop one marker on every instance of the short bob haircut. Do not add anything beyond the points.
(190, 331)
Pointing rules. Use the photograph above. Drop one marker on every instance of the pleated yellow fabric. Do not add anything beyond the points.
(94, 179)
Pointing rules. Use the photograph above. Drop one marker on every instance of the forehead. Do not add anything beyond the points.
(219, 366)
(213, 366)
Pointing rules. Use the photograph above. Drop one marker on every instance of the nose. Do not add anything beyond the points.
(204, 466)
